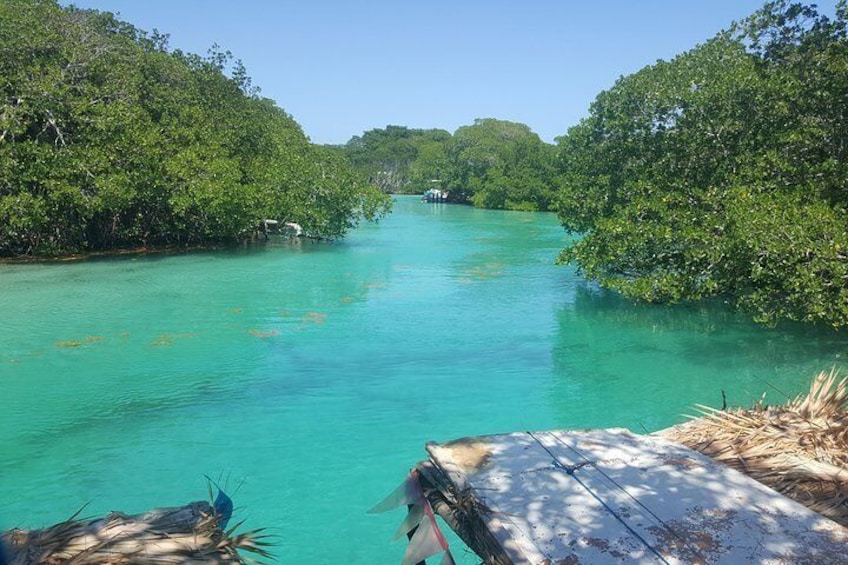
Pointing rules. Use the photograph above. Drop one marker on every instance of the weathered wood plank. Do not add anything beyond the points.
(606, 496)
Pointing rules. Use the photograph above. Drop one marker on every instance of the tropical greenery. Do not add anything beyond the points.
(500, 164)
(491, 163)
(385, 156)
(722, 173)
(109, 139)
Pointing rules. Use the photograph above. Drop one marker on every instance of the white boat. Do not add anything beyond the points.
(434, 195)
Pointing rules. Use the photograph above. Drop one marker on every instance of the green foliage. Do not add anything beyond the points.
(108, 139)
(794, 252)
(500, 164)
(491, 164)
(385, 156)
(722, 173)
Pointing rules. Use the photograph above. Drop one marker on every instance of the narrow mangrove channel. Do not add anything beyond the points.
(198, 287)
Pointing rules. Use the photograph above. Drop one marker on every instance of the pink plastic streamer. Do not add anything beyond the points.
(427, 540)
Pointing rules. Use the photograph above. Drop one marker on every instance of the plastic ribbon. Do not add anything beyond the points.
(427, 539)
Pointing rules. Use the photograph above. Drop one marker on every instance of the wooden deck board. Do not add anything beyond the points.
(607, 496)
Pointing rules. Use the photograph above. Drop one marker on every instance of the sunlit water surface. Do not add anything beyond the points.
(309, 377)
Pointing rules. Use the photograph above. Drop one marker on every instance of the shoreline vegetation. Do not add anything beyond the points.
(720, 174)
(141, 251)
(120, 252)
(109, 139)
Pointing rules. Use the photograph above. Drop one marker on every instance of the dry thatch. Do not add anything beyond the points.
(799, 449)
(184, 534)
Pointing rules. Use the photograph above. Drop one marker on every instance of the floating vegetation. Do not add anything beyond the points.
(483, 272)
(88, 340)
(161, 341)
(346, 299)
(164, 340)
(236, 310)
(263, 334)
(314, 318)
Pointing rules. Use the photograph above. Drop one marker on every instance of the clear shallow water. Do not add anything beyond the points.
(310, 376)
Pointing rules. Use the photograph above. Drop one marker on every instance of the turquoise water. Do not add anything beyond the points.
(308, 377)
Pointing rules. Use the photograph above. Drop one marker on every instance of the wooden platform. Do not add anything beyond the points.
(610, 496)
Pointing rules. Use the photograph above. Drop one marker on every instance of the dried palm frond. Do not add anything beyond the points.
(799, 449)
(183, 534)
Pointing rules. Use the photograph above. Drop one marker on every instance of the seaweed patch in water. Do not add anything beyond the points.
(263, 334)
(168, 339)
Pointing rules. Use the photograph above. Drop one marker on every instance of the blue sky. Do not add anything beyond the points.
(344, 67)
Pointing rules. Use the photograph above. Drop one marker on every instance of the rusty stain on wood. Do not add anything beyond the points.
(468, 454)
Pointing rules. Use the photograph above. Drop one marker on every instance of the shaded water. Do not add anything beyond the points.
(310, 376)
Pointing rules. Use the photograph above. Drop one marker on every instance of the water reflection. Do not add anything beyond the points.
(653, 362)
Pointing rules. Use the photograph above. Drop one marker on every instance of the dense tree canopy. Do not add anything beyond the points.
(722, 173)
(491, 163)
(500, 164)
(109, 139)
(385, 155)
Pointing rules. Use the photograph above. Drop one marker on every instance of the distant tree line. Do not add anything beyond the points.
(490, 164)
(109, 139)
(386, 155)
